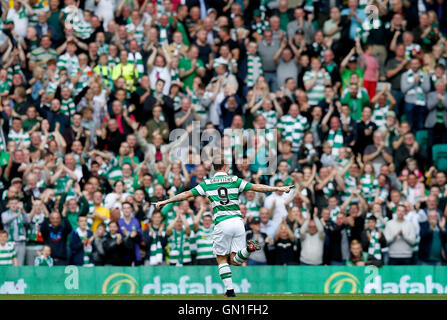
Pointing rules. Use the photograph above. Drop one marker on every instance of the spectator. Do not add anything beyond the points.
(436, 120)
(44, 259)
(55, 231)
(267, 49)
(358, 257)
(433, 240)
(203, 234)
(286, 64)
(400, 236)
(409, 149)
(284, 242)
(8, 254)
(394, 69)
(315, 81)
(415, 84)
(377, 153)
(16, 220)
(262, 256)
(130, 227)
(338, 241)
(372, 239)
(155, 241)
(34, 238)
(179, 242)
(82, 244)
(276, 204)
(312, 241)
(116, 247)
(98, 242)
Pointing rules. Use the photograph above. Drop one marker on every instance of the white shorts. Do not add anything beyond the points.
(229, 236)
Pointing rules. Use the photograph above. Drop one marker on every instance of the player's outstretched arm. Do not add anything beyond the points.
(179, 197)
(264, 188)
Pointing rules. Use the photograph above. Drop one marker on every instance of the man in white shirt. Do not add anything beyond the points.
(276, 204)
(19, 16)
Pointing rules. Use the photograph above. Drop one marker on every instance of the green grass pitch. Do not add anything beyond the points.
(220, 297)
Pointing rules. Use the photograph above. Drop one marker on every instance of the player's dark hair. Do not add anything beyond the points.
(219, 162)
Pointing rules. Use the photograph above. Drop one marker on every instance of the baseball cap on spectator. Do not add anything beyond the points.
(9, 21)
(257, 13)
(255, 220)
(299, 31)
(353, 59)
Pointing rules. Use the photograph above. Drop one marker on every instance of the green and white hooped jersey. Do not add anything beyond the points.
(7, 253)
(204, 243)
(270, 116)
(223, 192)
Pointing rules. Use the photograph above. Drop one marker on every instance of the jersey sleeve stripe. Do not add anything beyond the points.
(200, 190)
(242, 185)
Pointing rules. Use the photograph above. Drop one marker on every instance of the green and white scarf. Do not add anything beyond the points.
(260, 27)
(420, 95)
(336, 141)
(329, 189)
(163, 34)
(112, 62)
(34, 227)
(68, 107)
(21, 231)
(43, 262)
(374, 247)
(179, 248)
(254, 69)
(156, 253)
(137, 60)
(88, 249)
(334, 213)
(367, 26)
(175, 75)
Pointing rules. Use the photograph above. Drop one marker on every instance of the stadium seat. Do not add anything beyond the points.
(422, 139)
(440, 156)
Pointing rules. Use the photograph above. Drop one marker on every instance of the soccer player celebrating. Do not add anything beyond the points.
(229, 233)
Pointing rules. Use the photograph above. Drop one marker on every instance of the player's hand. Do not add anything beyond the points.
(159, 204)
(285, 189)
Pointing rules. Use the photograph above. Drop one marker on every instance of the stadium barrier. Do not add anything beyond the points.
(205, 280)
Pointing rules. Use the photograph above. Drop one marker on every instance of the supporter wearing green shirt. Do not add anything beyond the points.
(72, 209)
(346, 76)
(4, 158)
(285, 15)
(182, 13)
(31, 120)
(55, 19)
(356, 100)
(349, 66)
(191, 67)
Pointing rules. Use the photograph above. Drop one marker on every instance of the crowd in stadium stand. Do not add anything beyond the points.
(91, 90)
